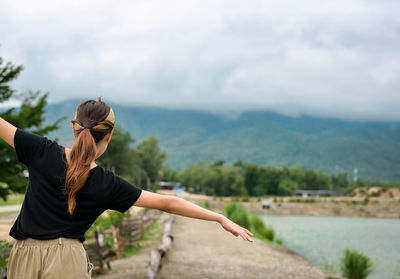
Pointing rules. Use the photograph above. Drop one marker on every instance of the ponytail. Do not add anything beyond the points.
(93, 121)
(82, 154)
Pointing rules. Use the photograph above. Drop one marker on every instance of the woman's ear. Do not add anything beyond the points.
(109, 135)
(73, 131)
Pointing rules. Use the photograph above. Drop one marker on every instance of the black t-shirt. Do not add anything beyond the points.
(44, 213)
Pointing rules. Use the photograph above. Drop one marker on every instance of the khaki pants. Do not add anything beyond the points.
(60, 258)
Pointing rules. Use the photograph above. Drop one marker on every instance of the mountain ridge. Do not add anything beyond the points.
(263, 137)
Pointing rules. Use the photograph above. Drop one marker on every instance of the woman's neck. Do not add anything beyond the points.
(67, 156)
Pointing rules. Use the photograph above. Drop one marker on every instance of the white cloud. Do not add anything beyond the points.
(336, 59)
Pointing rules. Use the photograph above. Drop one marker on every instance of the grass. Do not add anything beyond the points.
(13, 199)
(355, 265)
(252, 222)
(238, 214)
(330, 267)
(132, 250)
(153, 232)
(260, 229)
(206, 205)
(4, 256)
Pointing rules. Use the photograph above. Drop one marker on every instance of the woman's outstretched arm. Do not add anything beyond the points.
(179, 206)
(7, 131)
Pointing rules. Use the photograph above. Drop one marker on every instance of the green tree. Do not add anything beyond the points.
(29, 116)
(270, 178)
(151, 158)
(168, 174)
(219, 163)
(286, 186)
(251, 177)
(233, 181)
(215, 181)
(340, 180)
(197, 176)
(119, 156)
(309, 179)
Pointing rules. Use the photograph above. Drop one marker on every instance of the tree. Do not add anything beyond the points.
(119, 157)
(30, 117)
(168, 174)
(252, 177)
(198, 177)
(218, 163)
(340, 180)
(151, 158)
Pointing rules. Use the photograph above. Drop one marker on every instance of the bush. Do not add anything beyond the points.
(259, 227)
(376, 194)
(353, 202)
(245, 199)
(355, 265)
(4, 248)
(366, 200)
(256, 223)
(237, 214)
(230, 208)
(235, 199)
(241, 217)
(206, 205)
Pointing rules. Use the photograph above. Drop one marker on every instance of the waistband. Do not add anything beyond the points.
(47, 242)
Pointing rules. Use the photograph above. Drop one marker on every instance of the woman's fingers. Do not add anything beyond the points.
(247, 238)
(244, 235)
(249, 232)
(237, 230)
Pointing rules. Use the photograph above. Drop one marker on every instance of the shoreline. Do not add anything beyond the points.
(376, 207)
(312, 210)
(203, 249)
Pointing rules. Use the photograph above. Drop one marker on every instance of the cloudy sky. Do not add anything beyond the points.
(326, 58)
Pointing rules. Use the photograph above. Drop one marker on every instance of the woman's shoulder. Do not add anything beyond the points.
(31, 146)
(104, 176)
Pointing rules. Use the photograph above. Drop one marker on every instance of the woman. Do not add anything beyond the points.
(67, 191)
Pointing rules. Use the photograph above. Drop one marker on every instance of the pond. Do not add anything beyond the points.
(324, 239)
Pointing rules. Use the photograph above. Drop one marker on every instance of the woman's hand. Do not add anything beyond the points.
(235, 229)
(179, 206)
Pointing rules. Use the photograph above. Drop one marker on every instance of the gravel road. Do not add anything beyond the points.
(203, 249)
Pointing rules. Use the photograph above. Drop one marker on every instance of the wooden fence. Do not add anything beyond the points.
(127, 234)
(160, 253)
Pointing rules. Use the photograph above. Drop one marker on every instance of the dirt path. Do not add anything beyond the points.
(135, 267)
(10, 208)
(203, 249)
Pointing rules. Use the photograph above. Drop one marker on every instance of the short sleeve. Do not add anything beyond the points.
(28, 146)
(123, 195)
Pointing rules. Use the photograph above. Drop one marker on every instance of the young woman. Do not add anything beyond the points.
(67, 191)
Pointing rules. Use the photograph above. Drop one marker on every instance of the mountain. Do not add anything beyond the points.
(262, 137)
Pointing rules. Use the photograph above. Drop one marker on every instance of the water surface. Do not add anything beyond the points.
(324, 239)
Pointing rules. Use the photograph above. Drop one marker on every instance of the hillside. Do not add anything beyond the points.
(262, 137)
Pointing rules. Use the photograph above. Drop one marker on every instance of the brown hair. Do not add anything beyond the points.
(93, 121)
